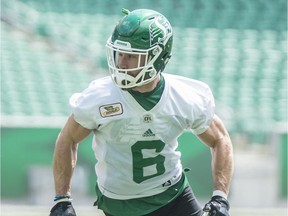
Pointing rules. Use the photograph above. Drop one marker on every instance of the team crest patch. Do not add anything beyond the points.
(111, 110)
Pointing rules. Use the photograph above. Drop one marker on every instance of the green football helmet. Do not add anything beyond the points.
(146, 34)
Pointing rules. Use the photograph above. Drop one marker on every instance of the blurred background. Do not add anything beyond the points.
(51, 49)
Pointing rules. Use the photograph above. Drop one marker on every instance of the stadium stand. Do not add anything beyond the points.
(237, 47)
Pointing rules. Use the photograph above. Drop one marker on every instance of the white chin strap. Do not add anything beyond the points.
(126, 81)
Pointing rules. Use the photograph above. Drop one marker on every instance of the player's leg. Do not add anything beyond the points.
(185, 204)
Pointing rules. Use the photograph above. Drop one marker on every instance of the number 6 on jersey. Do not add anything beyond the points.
(147, 162)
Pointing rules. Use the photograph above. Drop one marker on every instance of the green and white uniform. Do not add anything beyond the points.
(136, 147)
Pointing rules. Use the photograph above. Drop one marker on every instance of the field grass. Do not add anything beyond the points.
(19, 210)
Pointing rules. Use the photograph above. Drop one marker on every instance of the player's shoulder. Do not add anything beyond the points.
(100, 84)
(182, 83)
(101, 88)
(96, 93)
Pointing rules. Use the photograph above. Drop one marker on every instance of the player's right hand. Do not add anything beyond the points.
(64, 208)
(217, 206)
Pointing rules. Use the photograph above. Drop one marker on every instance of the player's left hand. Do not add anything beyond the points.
(217, 206)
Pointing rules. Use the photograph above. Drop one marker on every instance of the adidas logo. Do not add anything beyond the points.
(148, 133)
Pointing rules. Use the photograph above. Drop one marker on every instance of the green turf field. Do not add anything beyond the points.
(13, 210)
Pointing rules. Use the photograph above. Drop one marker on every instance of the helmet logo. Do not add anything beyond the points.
(160, 30)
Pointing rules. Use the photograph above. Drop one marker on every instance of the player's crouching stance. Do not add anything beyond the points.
(136, 118)
(63, 207)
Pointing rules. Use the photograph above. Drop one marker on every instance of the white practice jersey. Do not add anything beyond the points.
(136, 149)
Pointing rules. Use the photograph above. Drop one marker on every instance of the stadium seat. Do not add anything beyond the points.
(237, 47)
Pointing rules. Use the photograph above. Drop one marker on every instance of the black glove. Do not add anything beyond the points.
(217, 206)
(64, 208)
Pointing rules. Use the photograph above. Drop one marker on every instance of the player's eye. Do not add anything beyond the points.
(132, 56)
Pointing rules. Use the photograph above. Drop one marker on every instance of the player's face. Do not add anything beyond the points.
(128, 61)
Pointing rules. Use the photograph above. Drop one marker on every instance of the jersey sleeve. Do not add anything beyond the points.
(82, 107)
(203, 112)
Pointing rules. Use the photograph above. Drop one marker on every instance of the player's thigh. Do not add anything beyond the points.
(185, 204)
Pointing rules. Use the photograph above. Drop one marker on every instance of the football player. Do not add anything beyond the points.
(136, 116)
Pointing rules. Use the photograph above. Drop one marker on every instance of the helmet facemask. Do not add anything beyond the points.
(143, 72)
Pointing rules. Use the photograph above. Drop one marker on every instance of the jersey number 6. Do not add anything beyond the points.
(147, 162)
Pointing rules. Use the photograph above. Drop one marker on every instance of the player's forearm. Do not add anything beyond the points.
(65, 158)
(222, 164)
